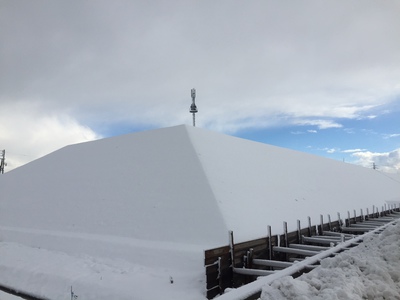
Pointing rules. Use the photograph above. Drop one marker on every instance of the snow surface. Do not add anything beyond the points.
(129, 217)
(368, 271)
(5, 296)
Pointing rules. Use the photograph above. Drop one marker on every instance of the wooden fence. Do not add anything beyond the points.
(220, 262)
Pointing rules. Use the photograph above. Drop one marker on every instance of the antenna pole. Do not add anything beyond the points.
(2, 161)
(193, 108)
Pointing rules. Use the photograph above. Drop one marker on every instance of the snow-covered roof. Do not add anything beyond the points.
(170, 183)
(175, 188)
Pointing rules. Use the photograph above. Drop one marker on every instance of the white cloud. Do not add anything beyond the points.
(329, 150)
(352, 150)
(393, 135)
(27, 132)
(321, 124)
(386, 161)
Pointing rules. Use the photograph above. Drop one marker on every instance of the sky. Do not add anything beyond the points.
(316, 76)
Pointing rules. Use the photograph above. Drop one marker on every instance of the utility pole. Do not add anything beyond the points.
(2, 161)
(374, 166)
(193, 108)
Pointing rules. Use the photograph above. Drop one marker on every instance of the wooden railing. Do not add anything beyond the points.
(230, 266)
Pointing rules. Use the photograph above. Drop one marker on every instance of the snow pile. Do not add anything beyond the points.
(51, 274)
(368, 271)
(5, 296)
(122, 215)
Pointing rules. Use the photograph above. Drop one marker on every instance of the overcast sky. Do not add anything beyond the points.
(316, 76)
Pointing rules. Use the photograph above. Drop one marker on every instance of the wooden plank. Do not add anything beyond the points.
(372, 223)
(212, 293)
(260, 250)
(355, 229)
(292, 237)
(337, 234)
(214, 253)
(210, 284)
(261, 247)
(365, 225)
(295, 251)
(272, 263)
(325, 240)
(215, 270)
(217, 251)
(214, 260)
(335, 226)
(225, 283)
(252, 272)
(244, 246)
(308, 247)
(212, 269)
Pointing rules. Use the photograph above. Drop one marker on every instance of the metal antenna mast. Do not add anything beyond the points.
(2, 161)
(193, 108)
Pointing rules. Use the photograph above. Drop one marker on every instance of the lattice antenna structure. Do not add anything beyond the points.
(193, 108)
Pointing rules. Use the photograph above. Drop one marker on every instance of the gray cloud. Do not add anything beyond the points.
(255, 64)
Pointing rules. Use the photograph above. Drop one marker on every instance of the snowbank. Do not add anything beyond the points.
(368, 271)
(122, 216)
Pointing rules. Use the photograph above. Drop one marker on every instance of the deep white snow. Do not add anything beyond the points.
(5, 296)
(369, 271)
(128, 217)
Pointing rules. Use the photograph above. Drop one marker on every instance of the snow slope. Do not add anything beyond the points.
(265, 183)
(121, 215)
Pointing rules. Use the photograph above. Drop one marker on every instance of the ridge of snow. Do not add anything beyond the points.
(265, 183)
(153, 201)
(368, 271)
(132, 185)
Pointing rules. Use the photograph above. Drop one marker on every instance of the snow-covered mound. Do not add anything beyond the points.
(368, 271)
(157, 199)
(182, 184)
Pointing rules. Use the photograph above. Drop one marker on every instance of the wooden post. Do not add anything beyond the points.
(232, 248)
(285, 234)
(348, 219)
(321, 218)
(340, 221)
(250, 258)
(309, 227)
(269, 242)
(221, 291)
(329, 223)
(299, 239)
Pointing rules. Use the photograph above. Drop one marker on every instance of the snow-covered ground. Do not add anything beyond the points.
(129, 217)
(52, 273)
(5, 296)
(368, 271)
